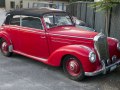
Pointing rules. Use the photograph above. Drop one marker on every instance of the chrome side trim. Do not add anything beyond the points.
(30, 56)
(71, 36)
(118, 46)
(98, 36)
(103, 70)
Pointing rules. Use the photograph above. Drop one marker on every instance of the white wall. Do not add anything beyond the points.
(97, 0)
(7, 4)
(29, 3)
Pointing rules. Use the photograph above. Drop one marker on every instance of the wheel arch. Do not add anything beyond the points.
(79, 51)
(6, 38)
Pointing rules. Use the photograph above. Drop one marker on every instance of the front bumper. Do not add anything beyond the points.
(104, 69)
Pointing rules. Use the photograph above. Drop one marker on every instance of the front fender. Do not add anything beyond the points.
(79, 51)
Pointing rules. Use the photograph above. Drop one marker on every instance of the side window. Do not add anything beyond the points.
(32, 22)
(49, 20)
(15, 20)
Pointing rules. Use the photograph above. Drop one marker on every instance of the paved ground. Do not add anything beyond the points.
(21, 73)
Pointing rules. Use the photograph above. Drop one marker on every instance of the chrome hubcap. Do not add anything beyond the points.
(73, 67)
(4, 47)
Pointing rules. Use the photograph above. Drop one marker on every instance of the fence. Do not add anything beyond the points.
(96, 20)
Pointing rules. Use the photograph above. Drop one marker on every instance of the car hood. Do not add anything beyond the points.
(72, 31)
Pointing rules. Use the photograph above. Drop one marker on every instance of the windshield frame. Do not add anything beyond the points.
(62, 14)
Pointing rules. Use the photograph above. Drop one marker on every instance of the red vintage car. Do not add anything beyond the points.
(50, 36)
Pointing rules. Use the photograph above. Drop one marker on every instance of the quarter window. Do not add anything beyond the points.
(15, 20)
(32, 22)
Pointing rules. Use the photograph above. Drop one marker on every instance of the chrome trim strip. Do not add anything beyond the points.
(98, 36)
(60, 39)
(71, 36)
(118, 46)
(103, 70)
(30, 56)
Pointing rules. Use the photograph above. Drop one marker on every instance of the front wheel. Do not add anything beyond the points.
(4, 49)
(73, 68)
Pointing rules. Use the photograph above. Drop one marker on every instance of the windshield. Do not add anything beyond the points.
(57, 20)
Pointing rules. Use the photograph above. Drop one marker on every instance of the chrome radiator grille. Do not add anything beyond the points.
(101, 46)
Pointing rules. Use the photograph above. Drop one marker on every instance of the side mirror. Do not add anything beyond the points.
(80, 23)
(77, 22)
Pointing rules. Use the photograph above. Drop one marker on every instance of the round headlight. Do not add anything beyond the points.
(118, 46)
(114, 58)
(92, 57)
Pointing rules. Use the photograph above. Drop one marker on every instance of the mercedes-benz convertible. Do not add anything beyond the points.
(50, 36)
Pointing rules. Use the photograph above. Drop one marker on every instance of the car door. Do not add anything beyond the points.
(12, 26)
(32, 37)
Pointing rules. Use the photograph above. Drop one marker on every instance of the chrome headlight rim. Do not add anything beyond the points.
(92, 57)
(114, 58)
(118, 46)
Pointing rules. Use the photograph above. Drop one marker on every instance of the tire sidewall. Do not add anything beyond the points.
(7, 53)
(76, 78)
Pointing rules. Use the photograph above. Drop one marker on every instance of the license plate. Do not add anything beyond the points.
(113, 68)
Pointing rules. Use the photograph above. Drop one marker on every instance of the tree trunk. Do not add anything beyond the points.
(107, 20)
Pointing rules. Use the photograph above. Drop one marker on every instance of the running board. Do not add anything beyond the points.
(33, 57)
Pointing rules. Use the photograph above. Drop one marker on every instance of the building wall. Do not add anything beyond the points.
(2, 3)
(8, 6)
(61, 4)
(96, 0)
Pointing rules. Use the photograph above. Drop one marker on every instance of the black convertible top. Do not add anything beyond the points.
(39, 12)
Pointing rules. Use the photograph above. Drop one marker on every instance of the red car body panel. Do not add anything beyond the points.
(50, 46)
(56, 44)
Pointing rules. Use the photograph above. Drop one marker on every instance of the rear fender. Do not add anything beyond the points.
(5, 36)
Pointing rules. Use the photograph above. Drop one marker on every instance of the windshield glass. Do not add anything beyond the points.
(57, 20)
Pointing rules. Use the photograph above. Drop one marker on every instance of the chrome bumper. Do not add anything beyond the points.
(104, 69)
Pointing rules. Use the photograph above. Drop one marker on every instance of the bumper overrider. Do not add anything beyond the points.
(104, 69)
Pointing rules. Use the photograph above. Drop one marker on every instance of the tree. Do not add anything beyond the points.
(106, 5)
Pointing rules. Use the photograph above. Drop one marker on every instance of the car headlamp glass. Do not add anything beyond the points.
(92, 57)
(118, 46)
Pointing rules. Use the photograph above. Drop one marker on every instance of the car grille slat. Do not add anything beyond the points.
(101, 46)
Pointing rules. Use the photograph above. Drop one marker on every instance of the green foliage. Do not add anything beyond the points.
(105, 4)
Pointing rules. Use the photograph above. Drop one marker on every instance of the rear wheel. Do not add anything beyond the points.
(73, 68)
(4, 49)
